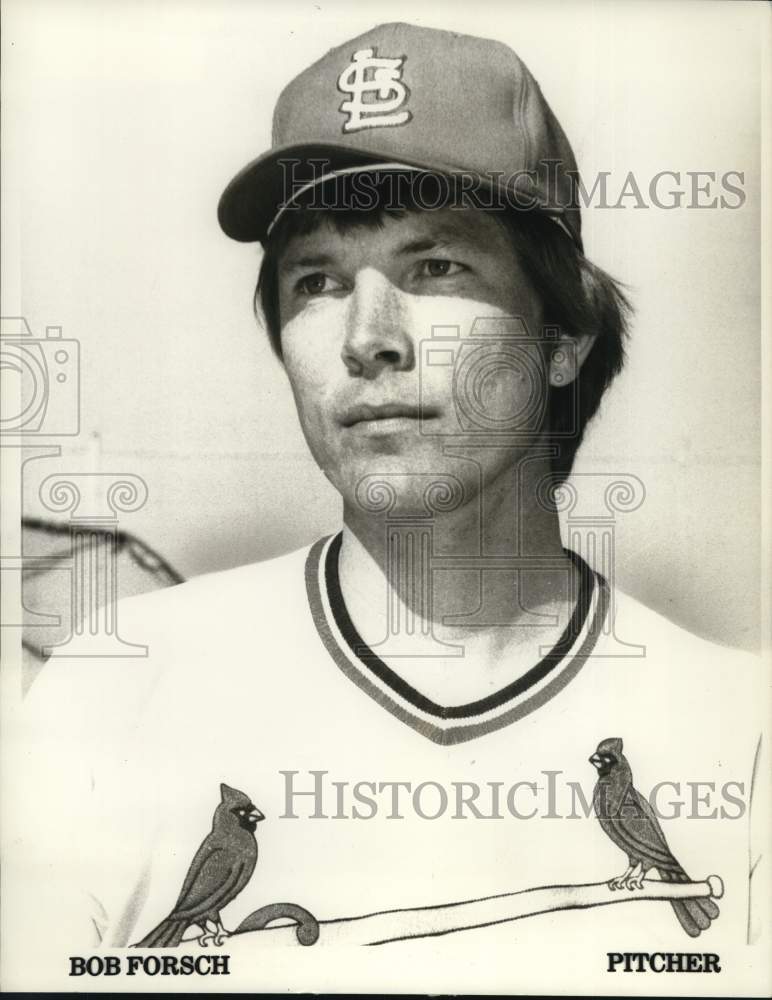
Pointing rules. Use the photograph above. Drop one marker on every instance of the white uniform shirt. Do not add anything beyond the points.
(254, 679)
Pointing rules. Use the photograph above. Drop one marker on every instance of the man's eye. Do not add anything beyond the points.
(316, 284)
(439, 268)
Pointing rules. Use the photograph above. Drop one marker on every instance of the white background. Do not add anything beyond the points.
(124, 120)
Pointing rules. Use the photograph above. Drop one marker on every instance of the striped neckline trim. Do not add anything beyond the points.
(456, 723)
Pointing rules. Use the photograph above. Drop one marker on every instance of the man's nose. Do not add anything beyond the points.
(377, 333)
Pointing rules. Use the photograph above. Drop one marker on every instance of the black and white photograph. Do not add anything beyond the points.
(385, 497)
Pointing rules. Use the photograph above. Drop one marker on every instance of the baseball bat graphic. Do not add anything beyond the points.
(432, 921)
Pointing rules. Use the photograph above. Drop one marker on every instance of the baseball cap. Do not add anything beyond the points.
(402, 97)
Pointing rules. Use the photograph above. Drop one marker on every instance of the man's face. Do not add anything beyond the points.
(355, 308)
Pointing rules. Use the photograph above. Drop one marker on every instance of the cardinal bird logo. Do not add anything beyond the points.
(222, 866)
(629, 821)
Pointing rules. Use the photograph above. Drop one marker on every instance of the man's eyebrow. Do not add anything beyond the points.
(441, 241)
(306, 260)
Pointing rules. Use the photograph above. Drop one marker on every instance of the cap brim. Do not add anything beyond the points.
(252, 200)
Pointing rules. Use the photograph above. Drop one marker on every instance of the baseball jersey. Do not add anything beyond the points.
(376, 798)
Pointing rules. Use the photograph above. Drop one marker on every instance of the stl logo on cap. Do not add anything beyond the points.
(381, 78)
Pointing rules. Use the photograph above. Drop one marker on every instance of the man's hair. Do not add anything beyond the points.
(577, 297)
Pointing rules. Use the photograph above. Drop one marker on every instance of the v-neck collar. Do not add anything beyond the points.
(455, 723)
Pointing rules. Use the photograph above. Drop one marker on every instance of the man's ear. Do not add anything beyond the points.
(567, 358)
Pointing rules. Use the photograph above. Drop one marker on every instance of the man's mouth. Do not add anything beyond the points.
(392, 414)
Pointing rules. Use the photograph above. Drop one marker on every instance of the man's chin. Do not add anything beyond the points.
(392, 485)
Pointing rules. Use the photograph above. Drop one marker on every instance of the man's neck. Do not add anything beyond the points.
(489, 581)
